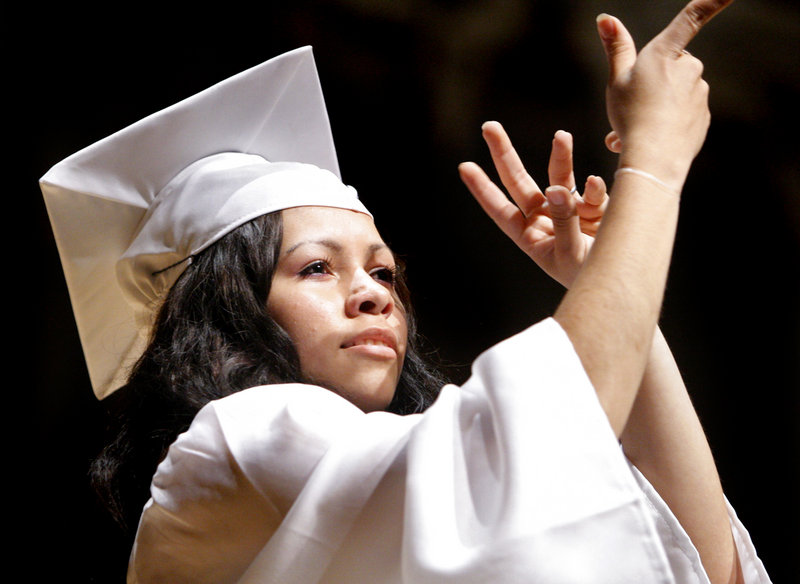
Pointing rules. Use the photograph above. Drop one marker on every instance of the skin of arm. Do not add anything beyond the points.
(662, 434)
(626, 272)
(622, 280)
(657, 105)
(664, 439)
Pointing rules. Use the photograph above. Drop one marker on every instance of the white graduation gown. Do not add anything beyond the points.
(514, 477)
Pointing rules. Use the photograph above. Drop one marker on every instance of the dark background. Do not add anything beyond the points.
(407, 85)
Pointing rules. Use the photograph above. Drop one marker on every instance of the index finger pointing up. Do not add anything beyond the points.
(688, 23)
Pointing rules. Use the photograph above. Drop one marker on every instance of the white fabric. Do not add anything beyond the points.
(501, 480)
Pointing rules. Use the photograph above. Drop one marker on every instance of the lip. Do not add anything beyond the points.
(375, 342)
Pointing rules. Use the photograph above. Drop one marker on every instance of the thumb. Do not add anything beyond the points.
(618, 44)
(566, 223)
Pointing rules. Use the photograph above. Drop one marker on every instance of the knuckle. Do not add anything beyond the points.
(561, 215)
(694, 62)
(559, 176)
(520, 178)
(698, 13)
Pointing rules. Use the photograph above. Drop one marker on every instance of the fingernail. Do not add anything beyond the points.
(606, 26)
(555, 195)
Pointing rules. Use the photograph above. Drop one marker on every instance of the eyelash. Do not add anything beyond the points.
(309, 269)
(390, 274)
(386, 274)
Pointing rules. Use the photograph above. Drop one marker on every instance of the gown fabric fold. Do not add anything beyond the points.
(516, 476)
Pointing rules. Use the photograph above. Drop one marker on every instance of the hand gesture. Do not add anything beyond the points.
(555, 228)
(657, 101)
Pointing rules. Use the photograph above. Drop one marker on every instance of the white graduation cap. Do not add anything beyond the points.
(129, 212)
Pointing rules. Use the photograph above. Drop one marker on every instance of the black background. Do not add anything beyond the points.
(407, 85)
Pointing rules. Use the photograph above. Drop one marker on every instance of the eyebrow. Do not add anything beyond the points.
(334, 245)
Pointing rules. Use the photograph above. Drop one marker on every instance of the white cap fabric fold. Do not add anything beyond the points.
(130, 211)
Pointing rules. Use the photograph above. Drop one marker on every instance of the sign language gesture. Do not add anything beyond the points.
(657, 105)
(656, 99)
(657, 108)
(555, 227)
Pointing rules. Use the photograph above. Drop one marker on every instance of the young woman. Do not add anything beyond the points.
(283, 318)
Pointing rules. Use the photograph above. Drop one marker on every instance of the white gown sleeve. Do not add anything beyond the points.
(501, 480)
(683, 556)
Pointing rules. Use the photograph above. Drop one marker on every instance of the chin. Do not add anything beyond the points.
(369, 402)
(370, 388)
(368, 397)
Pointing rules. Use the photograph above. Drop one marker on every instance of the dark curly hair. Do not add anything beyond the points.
(213, 337)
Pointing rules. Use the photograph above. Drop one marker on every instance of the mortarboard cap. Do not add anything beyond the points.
(130, 211)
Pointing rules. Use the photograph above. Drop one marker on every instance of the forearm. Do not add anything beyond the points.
(664, 439)
(611, 310)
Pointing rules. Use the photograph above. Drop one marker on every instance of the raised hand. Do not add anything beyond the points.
(657, 99)
(556, 227)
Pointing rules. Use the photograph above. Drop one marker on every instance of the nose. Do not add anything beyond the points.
(368, 296)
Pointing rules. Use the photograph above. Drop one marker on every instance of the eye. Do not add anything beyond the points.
(387, 275)
(317, 267)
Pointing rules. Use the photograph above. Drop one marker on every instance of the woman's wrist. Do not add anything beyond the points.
(660, 167)
(653, 179)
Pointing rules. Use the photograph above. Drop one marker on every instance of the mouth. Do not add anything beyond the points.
(377, 342)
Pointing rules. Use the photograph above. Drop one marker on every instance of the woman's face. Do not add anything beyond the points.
(333, 293)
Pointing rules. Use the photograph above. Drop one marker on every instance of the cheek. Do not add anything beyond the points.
(403, 336)
(401, 327)
(308, 320)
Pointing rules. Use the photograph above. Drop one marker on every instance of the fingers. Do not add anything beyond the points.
(595, 192)
(560, 168)
(491, 199)
(688, 23)
(566, 224)
(592, 206)
(618, 44)
(522, 188)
